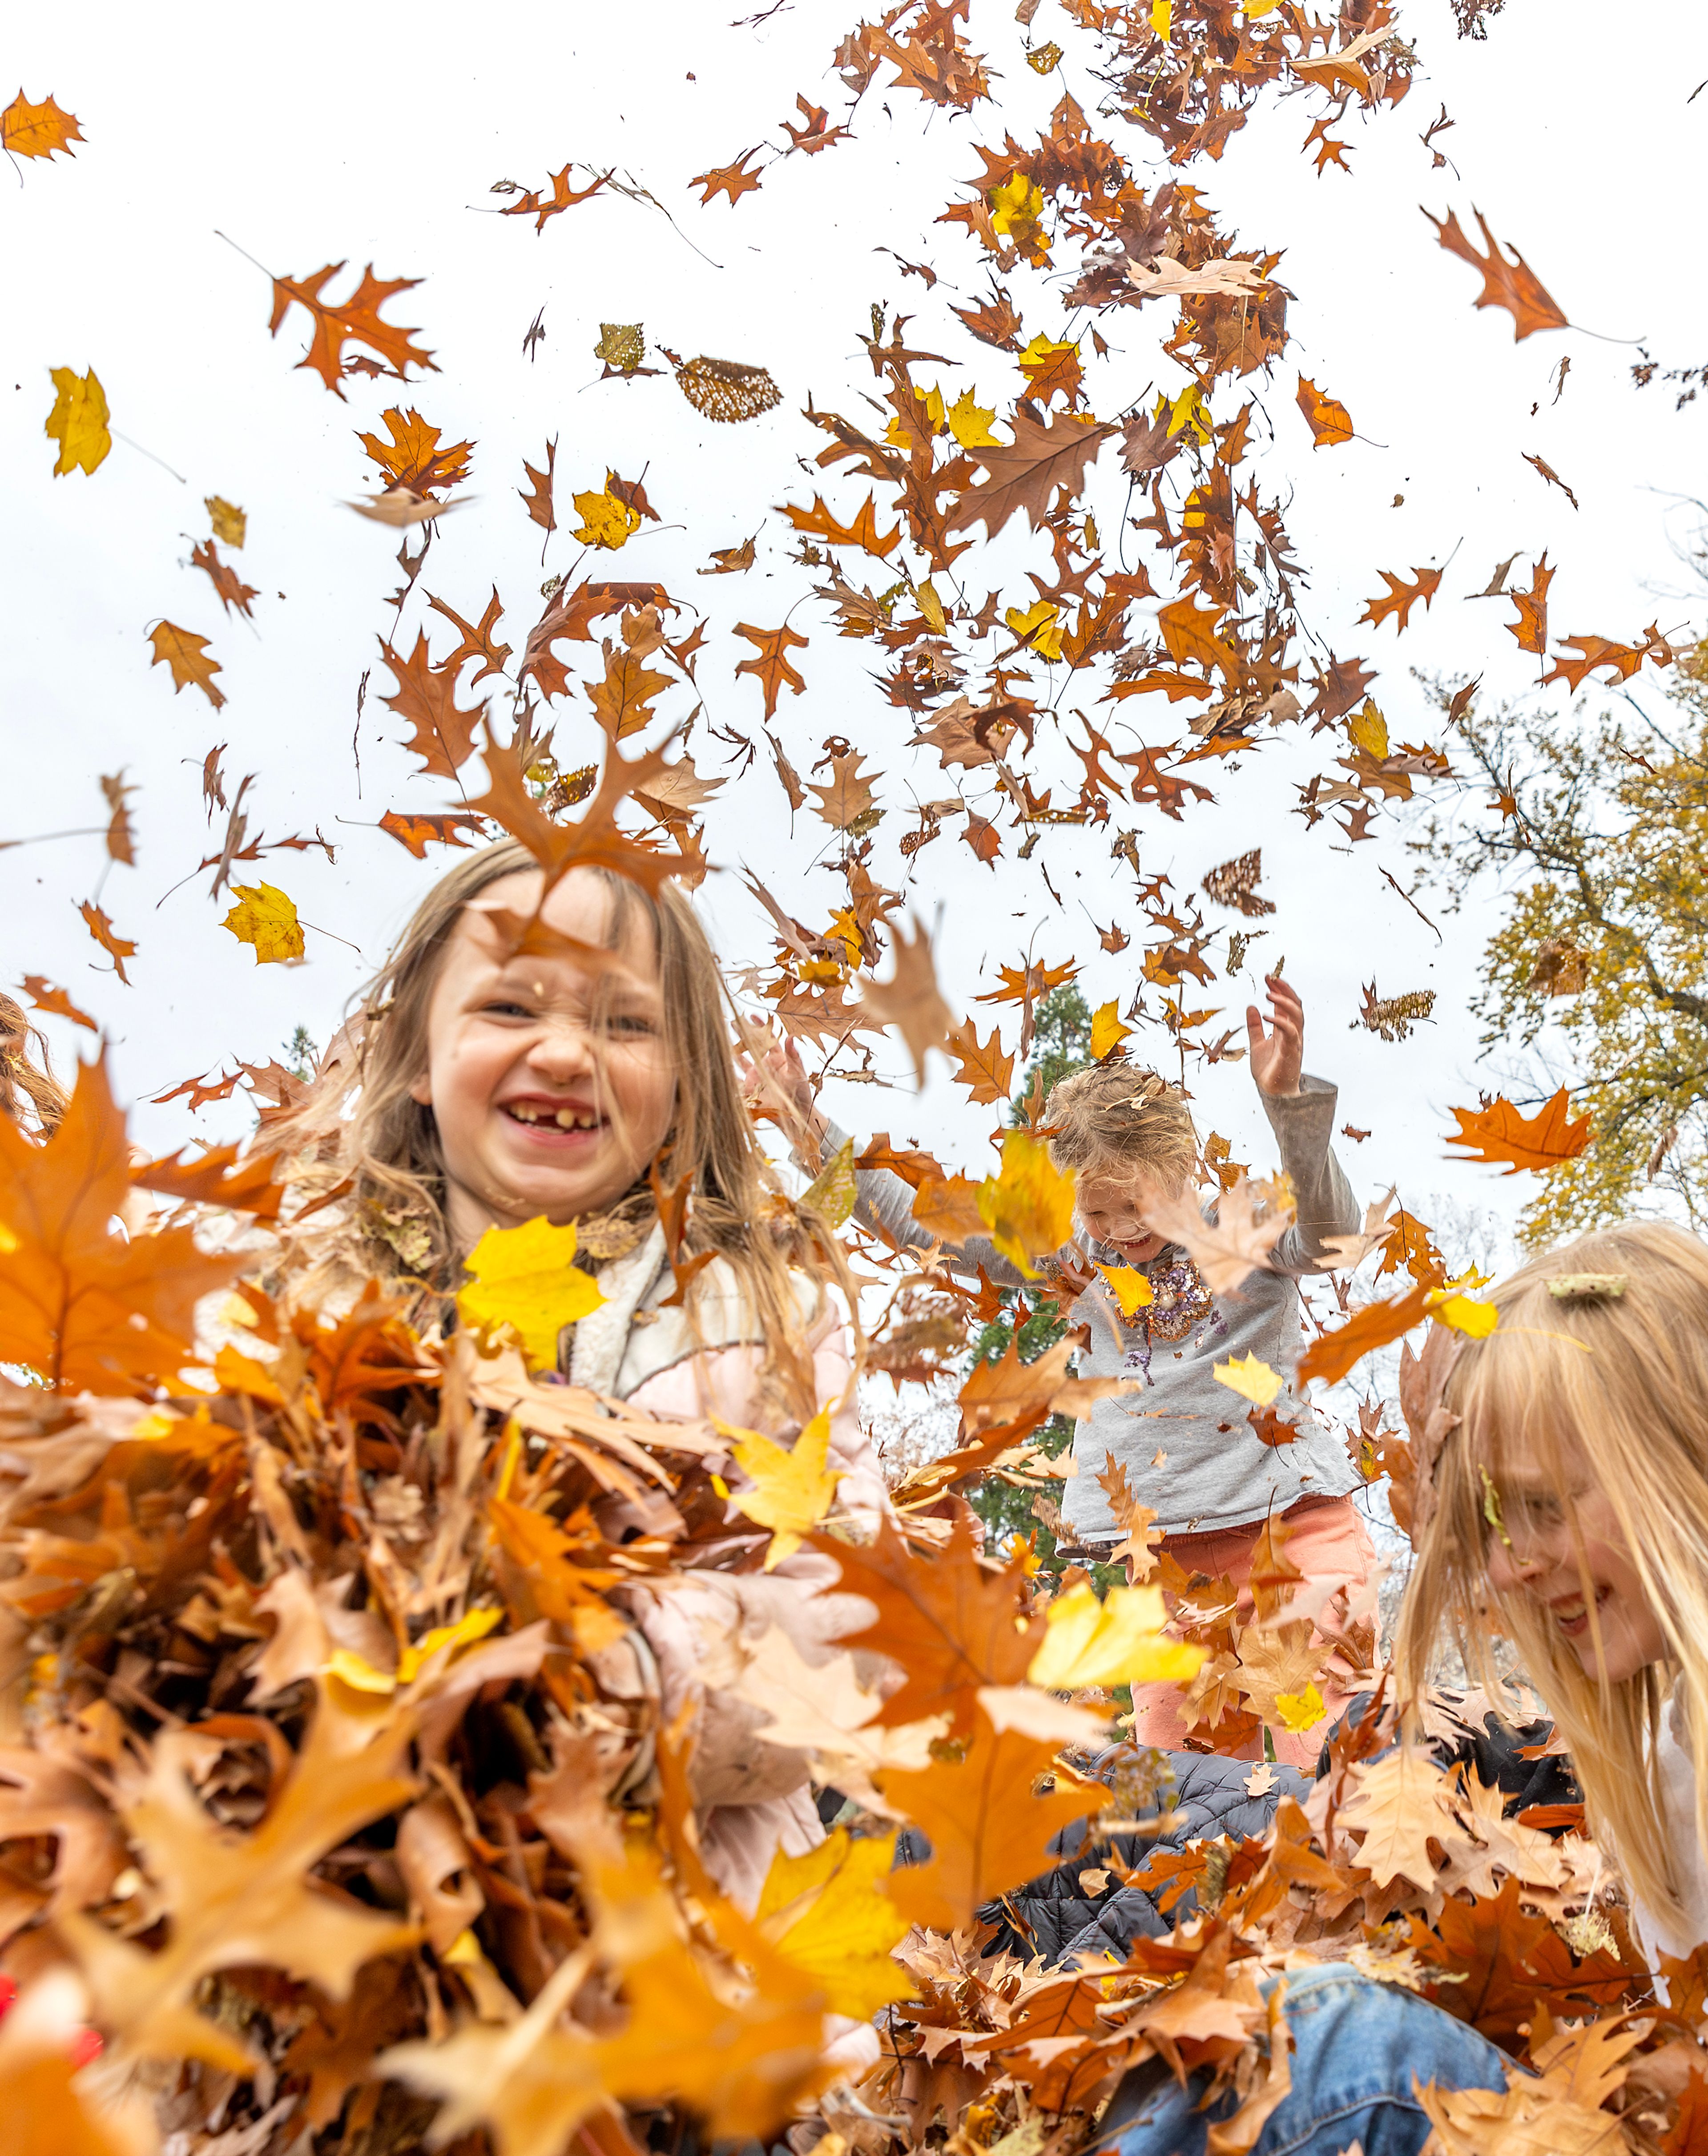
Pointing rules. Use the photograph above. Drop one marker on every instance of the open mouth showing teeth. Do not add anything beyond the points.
(1573, 1617)
(540, 1114)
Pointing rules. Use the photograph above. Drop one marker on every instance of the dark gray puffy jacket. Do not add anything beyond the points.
(1056, 1916)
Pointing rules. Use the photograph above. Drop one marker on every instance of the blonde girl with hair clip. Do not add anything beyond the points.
(563, 1057)
(1181, 1436)
(1561, 1503)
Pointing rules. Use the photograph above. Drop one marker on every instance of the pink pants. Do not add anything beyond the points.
(1326, 1539)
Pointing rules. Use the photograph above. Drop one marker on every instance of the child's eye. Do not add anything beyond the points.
(632, 1023)
(502, 1010)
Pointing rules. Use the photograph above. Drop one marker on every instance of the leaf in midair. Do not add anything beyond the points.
(1328, 420)
(38, 131)
(910, 1000)
(442, 733)
(187, 655)
(734, 180)
(862, 532)
(1497, 1133)
(983, 1067)
(1512, 285)
(45, 997)
(1118, 1641)
(230, 524)
(730, 561)
(847, 796)
(607, 519)
(117, 947)
(1026, 473)
(356, 320)
(1531, 627)
(537, 494)
(1228, 1250)
(265, 919)
(1028, 1207)
(478, 641)
(1107, 1031)
(413, 457)
(1396, 603)
(623, 702)
(232, 589)
(770, 664)
(78, 422)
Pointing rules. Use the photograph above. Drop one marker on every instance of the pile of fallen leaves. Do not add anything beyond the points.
(331, 1816)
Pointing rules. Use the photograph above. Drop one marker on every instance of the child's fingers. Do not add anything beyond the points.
(1254, 1031)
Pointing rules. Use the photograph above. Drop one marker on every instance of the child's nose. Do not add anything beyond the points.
(563, 1050)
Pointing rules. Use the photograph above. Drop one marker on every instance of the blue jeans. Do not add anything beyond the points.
(1356, 2046)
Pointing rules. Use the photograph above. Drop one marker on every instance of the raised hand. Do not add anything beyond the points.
(780, 1082)
(1277, 1056)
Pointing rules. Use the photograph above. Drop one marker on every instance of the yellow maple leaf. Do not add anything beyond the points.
(827, 1913)
(1016, 205)
(1107, 1031)
(267, 919)
(1300, 1710)
(969, 421)
(1028, 1208)
(1465, 1313)
(1039, 626)
(1162, 18)
(934, 416)
(229, 524)
(1131, 1288)
(524, 1280)
(1119, 1641)
(1368, 729)
(792, 1488)
(833, 1192)
(78, 422)
(1250, 1377)
(607, 520)
(1191, 408)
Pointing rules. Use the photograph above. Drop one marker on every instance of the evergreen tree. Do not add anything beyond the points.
(1061, 1044)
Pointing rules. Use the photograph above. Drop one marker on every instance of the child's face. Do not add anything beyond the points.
(1549, 1540)
(549, 1079)
(1113, 1207)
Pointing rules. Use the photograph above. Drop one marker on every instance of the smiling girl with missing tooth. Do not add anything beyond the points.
(492, 1079)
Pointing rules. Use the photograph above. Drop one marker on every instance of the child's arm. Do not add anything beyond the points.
(884, 1202)
(1301, 1113)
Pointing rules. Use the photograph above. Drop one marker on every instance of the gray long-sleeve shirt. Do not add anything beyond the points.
(1184, 1437)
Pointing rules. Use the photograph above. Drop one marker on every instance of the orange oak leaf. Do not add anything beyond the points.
(771, 664)
(538, 493)
(561, 197)
(818, 134)
(187, 655)
(83, 1304)
(951, 1621)
(1189, 631)
(478, 641)
(1026, 473)
(1512, 285)
(443, 733)
(418, 833)
(118, 948)
(862, 532)
(38, 131)
(623, 702)
(1621, 660)
(1328, 420)
(1332, 1354)
(354, 320)
(982, 1066)
(216, 1177)
(45, 997)
(1497, 1132)
(1531, 627)
(413, 457)
(233, 590)
(734, 181)
(989, 1833)
(592, 839)
(1399, 599)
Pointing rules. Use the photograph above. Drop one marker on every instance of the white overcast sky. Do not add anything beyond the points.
(367, 134)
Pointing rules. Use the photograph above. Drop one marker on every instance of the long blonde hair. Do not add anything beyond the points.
(362, 1124)
(1614, 1386)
